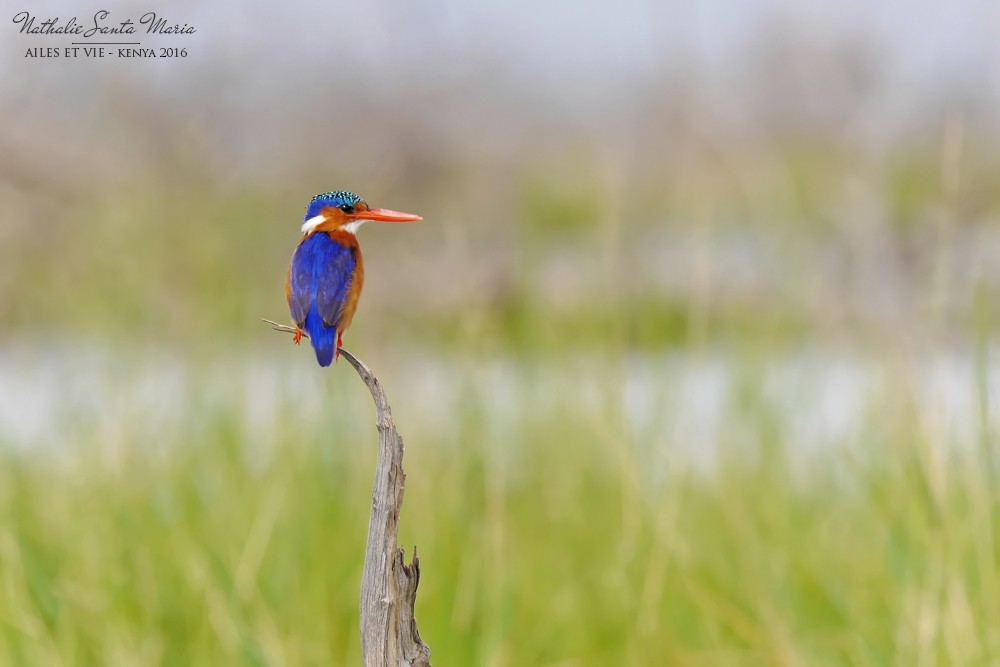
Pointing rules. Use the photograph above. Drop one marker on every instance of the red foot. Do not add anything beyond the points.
(340, 344)
(298, 336)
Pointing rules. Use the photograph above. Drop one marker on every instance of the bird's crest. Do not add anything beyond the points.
(342, 199)
(343, 210)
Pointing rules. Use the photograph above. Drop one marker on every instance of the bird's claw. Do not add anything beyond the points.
(298, 336)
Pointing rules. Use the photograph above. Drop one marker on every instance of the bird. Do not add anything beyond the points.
(326, 273)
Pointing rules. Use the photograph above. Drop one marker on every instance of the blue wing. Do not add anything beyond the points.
(320, 277)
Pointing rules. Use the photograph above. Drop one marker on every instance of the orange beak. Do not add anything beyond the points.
(385, 215)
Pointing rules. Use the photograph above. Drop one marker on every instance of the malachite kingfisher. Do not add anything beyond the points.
(326, 273)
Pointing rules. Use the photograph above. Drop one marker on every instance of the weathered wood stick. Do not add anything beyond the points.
(389, 636)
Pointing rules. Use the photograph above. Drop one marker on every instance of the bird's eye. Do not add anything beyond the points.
(347, 208)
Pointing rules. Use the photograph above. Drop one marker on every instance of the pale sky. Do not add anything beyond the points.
(572, 47)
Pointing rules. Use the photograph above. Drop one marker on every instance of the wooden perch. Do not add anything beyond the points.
(389, 636)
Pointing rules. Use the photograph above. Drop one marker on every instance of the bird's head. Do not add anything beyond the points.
(347, 211)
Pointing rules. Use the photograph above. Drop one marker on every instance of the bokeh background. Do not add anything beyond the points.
(693, 352)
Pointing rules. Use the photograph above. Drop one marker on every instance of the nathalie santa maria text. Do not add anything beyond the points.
(101, 24)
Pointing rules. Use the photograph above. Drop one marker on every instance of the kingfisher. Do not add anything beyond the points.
(326, 274)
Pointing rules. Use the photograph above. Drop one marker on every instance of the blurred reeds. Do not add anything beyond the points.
(215, 514)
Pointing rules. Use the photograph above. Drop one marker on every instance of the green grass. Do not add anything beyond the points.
(224, 524)
(560, 534)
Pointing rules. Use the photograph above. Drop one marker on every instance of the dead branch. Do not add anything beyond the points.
(389, 636)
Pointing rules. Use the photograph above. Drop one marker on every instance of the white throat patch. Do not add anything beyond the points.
(317, 220)
(353, 226)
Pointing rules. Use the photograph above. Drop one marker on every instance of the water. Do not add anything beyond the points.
(671, 407)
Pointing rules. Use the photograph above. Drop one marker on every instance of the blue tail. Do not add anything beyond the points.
(322, 337)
